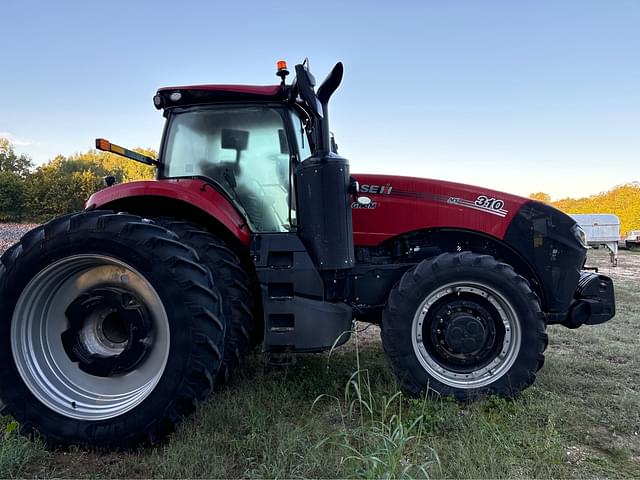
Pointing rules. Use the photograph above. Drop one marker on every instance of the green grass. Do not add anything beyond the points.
(17, 453)
(320, 419)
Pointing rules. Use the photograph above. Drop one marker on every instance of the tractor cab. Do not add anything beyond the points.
(269, 151)
(247, 141)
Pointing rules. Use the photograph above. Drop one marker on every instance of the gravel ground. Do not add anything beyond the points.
(10, 233)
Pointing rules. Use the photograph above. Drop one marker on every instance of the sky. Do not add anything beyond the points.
(519, 96)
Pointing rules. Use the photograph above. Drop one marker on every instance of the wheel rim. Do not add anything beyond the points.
(68, 319)
(466, 334)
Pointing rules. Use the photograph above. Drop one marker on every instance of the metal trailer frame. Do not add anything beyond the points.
(601, 229)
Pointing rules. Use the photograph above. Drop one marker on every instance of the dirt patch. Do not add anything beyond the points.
(577, 454)
(368, 334)
(628, 264)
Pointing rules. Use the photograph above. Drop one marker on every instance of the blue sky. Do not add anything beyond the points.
(520, 96)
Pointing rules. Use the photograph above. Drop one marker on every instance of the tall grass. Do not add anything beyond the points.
(378, 439)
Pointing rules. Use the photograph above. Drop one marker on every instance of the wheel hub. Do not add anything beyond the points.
(114, 328)
(465, 333)
(93, 337)
(462, 330)
(109, 331)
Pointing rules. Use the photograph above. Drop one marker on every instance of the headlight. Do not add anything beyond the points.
(578, 232)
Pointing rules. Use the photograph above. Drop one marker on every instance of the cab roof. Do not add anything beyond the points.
(168, 97)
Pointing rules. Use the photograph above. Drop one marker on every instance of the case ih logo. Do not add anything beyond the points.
(379, 189)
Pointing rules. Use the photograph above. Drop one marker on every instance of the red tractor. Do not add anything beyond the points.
(114, 325)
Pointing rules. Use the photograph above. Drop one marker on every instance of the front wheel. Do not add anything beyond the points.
(465, 325)
(110, 330)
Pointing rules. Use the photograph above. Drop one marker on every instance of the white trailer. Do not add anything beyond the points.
(632, 240)
(601, 229)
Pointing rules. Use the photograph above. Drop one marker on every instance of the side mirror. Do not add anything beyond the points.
(234, 139)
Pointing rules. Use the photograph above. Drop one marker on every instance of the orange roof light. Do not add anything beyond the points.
(282, 71)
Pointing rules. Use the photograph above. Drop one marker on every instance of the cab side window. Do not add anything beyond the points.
(244, 151)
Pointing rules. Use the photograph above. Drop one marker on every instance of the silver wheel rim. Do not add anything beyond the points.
(488, 373)
(39, 320)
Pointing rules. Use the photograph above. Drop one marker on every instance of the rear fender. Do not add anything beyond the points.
(190, 199)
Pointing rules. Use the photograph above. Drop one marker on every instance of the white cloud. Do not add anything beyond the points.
(18, 142)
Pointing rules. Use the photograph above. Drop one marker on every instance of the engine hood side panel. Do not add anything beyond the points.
(403, 204)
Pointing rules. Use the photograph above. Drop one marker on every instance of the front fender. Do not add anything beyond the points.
(193, 192)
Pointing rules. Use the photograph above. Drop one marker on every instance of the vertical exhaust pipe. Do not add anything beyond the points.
(323, 188)
(330, 85)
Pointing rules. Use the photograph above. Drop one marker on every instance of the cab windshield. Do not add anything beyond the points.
(244, 150)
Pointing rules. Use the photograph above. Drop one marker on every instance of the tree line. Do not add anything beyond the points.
(37, 194)
(623, 201)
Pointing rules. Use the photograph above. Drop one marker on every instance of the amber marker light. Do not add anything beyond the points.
(118, 149)
(102, 144)
(107, 146)
(282, 65)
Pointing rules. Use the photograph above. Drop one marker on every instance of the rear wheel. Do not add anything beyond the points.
(110, 330)
(464, 325)
(232, 280)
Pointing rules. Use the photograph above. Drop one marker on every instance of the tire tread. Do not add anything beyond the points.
(234, 284)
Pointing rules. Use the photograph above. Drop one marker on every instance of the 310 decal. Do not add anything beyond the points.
(489, 202)
(490, 205)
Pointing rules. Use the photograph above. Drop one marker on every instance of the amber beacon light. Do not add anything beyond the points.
(282, 70)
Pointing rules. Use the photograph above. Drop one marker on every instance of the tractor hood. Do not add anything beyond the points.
(404, 204)
(546, 238)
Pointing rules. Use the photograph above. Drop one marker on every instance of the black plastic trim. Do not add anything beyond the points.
(594, 302)
(542, 235)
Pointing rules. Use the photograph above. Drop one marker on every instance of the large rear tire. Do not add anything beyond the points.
(110, 330)
(464, 325)
(232, 280)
